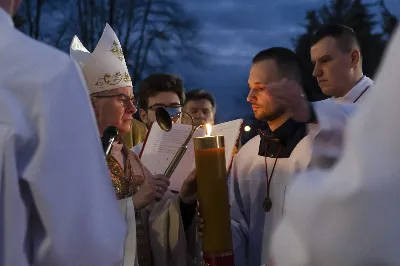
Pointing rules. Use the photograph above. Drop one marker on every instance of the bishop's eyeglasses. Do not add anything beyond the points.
(124, 99)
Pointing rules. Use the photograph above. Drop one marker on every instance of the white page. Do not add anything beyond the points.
(161, 147)
(231, 131)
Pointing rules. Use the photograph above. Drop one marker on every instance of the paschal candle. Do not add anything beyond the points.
(212, 191)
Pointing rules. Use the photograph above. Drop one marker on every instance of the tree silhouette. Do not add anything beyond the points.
(389, 21)
(153, 33)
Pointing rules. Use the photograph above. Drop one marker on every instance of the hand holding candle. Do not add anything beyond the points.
(189, 188)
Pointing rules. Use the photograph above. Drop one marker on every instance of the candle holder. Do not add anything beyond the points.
(212, 193)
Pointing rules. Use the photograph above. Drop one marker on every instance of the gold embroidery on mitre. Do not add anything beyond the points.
(117, 51)
(127, 78)
(109, 79)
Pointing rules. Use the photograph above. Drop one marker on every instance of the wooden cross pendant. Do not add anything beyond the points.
(267, 204)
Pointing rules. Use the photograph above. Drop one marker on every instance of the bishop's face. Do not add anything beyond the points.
(263, 105)
(115, 108)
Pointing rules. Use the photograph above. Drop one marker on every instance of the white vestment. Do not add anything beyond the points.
(332, 115)
(332, 119)
(128, 210)
(349, 215)
(358, 93)
(251, 225)
(57, 204)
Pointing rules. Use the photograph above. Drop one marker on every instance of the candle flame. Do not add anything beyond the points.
(208, 130)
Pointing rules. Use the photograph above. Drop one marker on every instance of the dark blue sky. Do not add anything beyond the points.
(233, 32)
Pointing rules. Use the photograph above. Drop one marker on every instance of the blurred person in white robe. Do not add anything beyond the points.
(160, 233)
(57, 205)
(349, 215)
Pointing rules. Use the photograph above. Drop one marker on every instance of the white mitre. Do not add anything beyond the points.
(105, 68)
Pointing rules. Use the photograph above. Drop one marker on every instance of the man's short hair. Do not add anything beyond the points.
(287, 61)
(345, 37)
(199, 94)
(160, 82)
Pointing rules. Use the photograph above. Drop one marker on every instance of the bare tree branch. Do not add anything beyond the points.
(142, 30)
(153, 33)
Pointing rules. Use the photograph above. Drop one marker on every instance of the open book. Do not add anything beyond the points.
(160, 148)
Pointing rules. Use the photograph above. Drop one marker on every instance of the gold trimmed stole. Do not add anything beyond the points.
(126, 184)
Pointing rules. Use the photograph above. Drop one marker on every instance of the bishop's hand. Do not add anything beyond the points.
(189, 189)
(153, 189)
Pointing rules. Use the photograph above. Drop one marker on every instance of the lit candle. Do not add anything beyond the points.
(212, 191)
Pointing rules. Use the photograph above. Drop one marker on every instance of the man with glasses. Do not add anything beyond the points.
(158, 90)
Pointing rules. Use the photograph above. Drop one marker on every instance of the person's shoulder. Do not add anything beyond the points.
(250, 148)
(370, 81)
(32, 69)
(37, 57)
(49, 58)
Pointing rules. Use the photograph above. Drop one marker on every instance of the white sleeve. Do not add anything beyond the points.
(328, 143)
(69, 180)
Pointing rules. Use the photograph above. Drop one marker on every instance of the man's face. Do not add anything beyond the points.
(200, 110)
(161, 99)
(115, 108)
(332, 67)
(262, 74)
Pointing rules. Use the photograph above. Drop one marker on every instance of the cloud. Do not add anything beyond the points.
(235, 30)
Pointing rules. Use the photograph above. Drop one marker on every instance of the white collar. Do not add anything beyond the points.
(356, 91)
(5, 18)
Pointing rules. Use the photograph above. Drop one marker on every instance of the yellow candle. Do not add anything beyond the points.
(212, 189)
